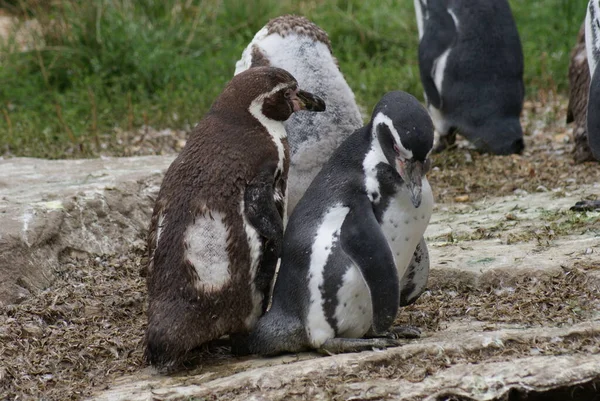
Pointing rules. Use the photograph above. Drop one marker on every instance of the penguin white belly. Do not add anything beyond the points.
(318, 330)
(354, 312)
(404, 225)
(206, 250)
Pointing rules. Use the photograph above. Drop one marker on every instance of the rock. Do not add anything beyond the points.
(55, 209)
(484, 381)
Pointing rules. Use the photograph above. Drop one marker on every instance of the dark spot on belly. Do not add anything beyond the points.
(423, 217)
(345, 304)
(406, 239)
(393, 239)
(406, 221)
(415, 217)
(356, 295)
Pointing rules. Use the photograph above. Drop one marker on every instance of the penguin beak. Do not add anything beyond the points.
(307, 101)
(411, 172)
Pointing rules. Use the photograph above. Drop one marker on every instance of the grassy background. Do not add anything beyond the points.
(111, 65)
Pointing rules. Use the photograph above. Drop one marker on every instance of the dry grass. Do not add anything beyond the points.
(82, 332)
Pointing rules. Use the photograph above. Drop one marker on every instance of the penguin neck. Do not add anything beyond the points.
(372, 159)
(274, 128)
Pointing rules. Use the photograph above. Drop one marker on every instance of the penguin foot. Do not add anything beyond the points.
(586, 206)
(344, 345)
(404, 332)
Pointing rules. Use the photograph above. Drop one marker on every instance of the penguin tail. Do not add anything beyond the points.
(276, 333)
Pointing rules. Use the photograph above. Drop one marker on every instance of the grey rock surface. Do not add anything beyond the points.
(272, 379)
(47, 208)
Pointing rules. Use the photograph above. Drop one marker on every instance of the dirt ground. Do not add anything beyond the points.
(85, 331)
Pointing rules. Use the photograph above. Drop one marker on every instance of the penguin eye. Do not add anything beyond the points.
(288, 94)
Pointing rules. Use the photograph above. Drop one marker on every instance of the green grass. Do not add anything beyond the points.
(125, 63)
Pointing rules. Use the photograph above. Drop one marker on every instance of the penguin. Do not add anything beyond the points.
(579, 85)
(299, 46)
(592, 45)
(471, 68)
(216, 230)
(353, 250)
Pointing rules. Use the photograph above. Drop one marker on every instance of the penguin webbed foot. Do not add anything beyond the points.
(397, 333)
(586, 206)
(347, 345)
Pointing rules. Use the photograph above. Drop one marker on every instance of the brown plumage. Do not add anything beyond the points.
(227, 184)
(286, 24)
(579, 85)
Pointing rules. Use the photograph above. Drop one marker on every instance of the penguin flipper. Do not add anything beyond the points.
(414, 281)
(261, 209)
(363, 241)
(439, 33)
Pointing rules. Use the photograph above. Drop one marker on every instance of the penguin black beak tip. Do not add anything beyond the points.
(310, 102)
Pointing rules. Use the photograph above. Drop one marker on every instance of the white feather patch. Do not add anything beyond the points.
(438, 69)
(206, 250)
(317, 327)
(354, 312)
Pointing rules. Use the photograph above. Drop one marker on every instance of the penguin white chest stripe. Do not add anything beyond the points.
(439, 66)
(404, 225)
(276, 129)
(317, 327)
(206, 250)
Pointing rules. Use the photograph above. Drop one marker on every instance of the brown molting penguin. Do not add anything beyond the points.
(579, 87)
(216, 230)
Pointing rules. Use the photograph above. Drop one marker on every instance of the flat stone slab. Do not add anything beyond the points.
(48, 207)
(277, 378)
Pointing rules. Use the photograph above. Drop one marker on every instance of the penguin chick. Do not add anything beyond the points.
(471, 67)
(592, 44)
(579, 86)
(216, 231)
(353, 250)
(299, 46)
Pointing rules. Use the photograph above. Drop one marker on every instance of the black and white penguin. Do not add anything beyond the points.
(353, 250)
(299, 46)
(216, 231)
(592, 44)
(471, 65)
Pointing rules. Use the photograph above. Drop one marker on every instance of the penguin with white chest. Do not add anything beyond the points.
(299, 46)
(216, 231)
(353, 250)
(471, 67)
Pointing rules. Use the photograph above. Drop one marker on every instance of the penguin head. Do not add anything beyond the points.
(497, 136)
(404, 131)
(270, 91)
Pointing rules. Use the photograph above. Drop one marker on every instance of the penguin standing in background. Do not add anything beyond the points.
(301, 47)
(216, 231)
(579, 86)
(592, 44)
(471, 66)
(353, 250)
